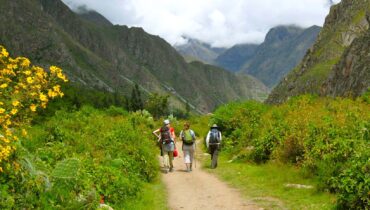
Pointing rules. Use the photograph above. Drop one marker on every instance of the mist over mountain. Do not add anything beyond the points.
(197, 50)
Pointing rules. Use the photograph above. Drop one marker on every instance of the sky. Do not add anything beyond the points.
(222, 23)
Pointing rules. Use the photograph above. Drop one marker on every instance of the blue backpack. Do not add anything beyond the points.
(214, 136)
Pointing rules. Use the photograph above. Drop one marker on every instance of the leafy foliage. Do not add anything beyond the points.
(68, 161)
(328, 138)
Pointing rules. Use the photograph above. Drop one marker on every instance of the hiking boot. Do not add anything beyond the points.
(171, 169)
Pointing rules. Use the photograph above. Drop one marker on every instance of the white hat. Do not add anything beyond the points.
(166, 122)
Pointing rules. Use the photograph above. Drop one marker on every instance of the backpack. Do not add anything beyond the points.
(214, 136)
(187, 138)
(166, 135)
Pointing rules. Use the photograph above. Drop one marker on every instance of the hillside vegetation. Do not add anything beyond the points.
(337, 64)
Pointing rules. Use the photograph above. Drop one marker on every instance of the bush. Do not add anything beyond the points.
(71, 159)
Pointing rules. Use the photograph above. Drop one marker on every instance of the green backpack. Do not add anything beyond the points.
(187, 138)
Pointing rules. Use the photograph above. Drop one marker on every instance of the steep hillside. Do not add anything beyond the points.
(97, 54)
(198, 50)
(282, 50)
(351, 76)
(346, 22)
(234, 58)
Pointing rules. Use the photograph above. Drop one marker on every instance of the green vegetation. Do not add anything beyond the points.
(71, 159)
(328, 139)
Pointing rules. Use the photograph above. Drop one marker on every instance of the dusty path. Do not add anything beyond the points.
(199, 190)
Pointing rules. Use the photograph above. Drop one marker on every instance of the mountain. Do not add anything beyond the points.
(97, 54)
(197, 50)
(338, 63)
(282, 49)
(234, 58)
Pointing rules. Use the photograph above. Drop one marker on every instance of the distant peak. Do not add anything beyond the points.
(282, 32)
(91, 15)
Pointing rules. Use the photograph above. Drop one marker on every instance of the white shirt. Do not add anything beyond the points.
(208, 135)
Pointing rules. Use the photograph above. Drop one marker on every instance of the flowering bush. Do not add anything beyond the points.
(24, 89)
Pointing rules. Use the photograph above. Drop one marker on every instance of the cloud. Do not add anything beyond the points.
(219, 22)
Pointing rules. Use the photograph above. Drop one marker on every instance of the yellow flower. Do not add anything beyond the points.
(29, 80)
(24, 132)
(43, 97)
(33, 107)
(4, 52)
(61, 76)
(43, 105)
(14, 111)
(28, 72)
(4, 85)
(15, 103)
(52, 94)
(25, 62)
(2, 110)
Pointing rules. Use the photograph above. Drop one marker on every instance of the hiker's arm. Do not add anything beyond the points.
(193, 135)
(207, 140)
(220, 137)
(156, 133)
(174, 136)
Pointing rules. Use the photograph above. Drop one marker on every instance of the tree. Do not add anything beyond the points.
(136, 102)
(157, 105)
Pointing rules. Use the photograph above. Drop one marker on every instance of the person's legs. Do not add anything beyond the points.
(214, 158)
(170, 154)
(165, 158)
(187, 158)
(191, 154)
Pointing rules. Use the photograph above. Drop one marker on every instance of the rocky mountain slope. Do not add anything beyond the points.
(195, 50)
(282, 50)
(100, 55)
(338, 63)
(235, 57)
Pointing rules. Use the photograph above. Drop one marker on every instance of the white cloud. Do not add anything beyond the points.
(219, 22)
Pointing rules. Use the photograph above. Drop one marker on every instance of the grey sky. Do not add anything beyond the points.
(219, 22)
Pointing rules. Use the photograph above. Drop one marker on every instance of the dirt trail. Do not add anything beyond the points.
(199, 190)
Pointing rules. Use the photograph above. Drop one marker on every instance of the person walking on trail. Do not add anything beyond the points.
(188, 146)
(168, 140)
(213, 142)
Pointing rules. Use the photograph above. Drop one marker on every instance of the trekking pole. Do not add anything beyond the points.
(195, 154)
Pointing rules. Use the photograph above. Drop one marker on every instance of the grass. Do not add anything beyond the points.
(153, 197)
(265, 185)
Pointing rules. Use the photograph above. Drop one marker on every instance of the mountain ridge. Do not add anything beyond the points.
(109, 56)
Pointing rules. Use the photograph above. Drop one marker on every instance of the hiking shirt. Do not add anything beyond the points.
(208, 136)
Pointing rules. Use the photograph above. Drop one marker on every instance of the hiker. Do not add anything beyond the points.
(213, 142)
(188, 146)
(168, 140)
